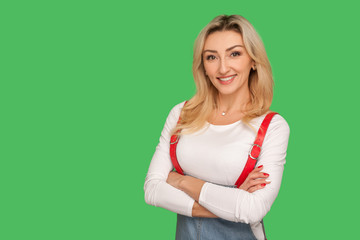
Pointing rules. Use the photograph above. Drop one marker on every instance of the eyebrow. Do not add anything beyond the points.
(230, 48)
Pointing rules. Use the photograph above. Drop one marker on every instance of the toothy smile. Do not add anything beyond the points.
(226, 78)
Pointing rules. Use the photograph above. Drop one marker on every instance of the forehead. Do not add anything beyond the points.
(220, 41)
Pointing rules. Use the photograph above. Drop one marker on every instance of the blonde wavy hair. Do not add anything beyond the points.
(198, 109)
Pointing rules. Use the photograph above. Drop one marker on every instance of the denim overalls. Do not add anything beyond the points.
(200, 228)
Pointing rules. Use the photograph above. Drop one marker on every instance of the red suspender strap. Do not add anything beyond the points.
(173, 144)
(255, 149)
(253, 153)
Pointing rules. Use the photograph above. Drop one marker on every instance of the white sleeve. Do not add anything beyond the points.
(237, 205)
(157, 191)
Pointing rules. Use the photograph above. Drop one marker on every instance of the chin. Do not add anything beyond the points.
(226, 92)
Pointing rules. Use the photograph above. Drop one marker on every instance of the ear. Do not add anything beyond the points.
(253, 65)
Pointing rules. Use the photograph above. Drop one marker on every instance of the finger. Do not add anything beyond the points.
(257, 187)
(257, 169)
(251, 178)
(257, 182)
(255, 175)
(252, 183)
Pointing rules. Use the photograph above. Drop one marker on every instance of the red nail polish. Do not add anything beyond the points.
(260, 166)
(266, 175)
(263, 184)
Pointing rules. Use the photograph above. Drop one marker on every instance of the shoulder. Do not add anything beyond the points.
(278, 130)
(278, 121)
(176, 110)
(174, 113)
(278, 124)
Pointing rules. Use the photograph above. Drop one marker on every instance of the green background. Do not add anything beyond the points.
(86, 87)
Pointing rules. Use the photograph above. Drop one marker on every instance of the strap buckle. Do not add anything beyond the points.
(256, 153)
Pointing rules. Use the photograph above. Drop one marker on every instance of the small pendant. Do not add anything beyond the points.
(223, 113)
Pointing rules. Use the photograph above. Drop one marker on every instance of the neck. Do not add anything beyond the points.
(226, 102)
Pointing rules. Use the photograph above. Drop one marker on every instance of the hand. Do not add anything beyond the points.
(174, 179)
(255, 180)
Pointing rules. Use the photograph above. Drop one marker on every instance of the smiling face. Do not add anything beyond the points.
(227, 63)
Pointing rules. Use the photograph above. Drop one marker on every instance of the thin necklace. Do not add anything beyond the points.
(223, 113)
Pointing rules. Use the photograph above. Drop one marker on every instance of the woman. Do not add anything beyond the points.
(216, 129)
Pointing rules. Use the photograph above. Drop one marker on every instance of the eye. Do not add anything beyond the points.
(210, 57)
(235, 54)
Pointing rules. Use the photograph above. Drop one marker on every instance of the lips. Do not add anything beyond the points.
(226, 79)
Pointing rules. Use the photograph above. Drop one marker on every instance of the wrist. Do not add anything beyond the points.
(200, 211)
(195, 209)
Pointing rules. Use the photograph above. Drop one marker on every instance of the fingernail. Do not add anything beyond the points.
(266, 175)
(260, 166)
(268, 181)
(263, 184)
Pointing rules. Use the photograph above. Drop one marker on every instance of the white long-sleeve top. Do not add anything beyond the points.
(217, 154)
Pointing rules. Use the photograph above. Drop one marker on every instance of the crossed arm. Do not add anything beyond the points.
(192, 186)
(190, 196)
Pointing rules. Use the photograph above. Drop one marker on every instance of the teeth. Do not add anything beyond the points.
(227, 79)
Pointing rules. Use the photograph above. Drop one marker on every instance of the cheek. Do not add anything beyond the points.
(210, 68)
(241, 66)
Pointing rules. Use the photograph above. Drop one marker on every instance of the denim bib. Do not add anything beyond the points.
(200, 228)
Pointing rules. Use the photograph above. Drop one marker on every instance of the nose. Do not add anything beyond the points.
(224, 67)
